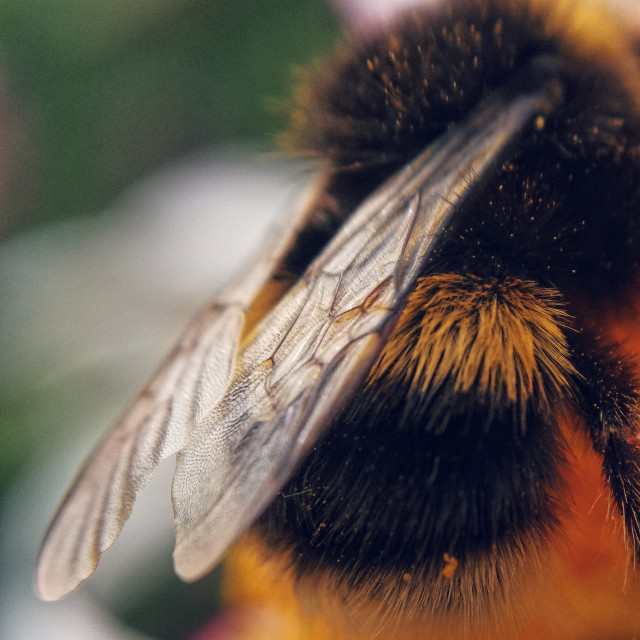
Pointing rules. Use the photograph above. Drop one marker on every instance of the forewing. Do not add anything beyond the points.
(314, 348)
(244, 420)
(191, 380)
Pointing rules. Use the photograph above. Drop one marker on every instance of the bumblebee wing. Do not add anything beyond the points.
(314, 348)
(157, 425)
(244, 418)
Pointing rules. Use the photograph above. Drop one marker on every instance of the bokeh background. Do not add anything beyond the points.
(95, 95)
(137, 170)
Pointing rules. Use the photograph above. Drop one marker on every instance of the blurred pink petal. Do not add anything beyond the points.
(363, 15)
(244, 622)
(220, 628)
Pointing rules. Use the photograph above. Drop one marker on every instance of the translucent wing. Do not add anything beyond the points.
(158, 424)
(315, 346)
(242, 419)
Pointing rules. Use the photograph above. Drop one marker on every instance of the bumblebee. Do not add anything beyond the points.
(418, 411)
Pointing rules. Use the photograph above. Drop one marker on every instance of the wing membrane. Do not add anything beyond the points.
(317, 344)
(156, 426)
(192, 378)
(242, 420)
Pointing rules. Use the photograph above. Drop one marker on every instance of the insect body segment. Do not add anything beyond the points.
(460, 422)
(414, 394)
(513, 328)
(311, 351)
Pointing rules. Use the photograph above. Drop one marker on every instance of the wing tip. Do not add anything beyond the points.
(50, 586)
(193, 562)
(56, 576)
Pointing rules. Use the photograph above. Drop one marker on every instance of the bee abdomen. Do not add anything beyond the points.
(450, 447)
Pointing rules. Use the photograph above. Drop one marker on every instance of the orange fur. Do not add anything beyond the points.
(502, 338)
(577, 589)
(499, 338)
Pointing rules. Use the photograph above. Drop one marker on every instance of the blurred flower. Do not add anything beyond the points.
(89, 308)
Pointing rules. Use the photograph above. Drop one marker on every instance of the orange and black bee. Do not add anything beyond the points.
(419, 411)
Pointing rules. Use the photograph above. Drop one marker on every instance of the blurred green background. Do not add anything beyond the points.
(94, 96)
(97, 94)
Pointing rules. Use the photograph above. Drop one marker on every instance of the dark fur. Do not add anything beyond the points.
(385, 490)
